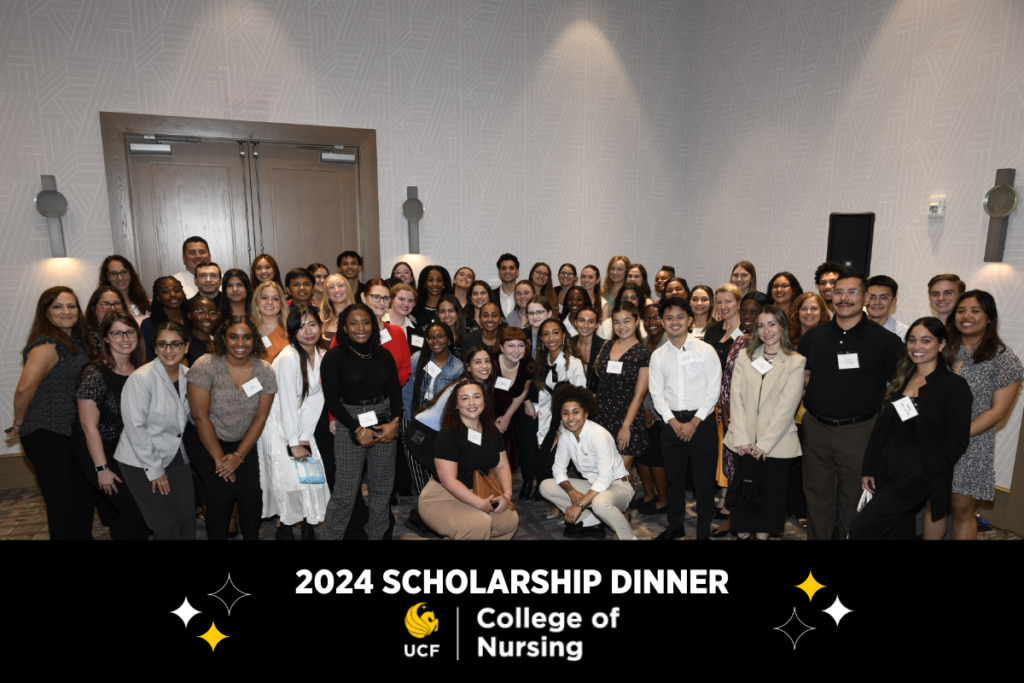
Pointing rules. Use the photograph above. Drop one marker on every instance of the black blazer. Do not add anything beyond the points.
(943, 431)
(595, 350)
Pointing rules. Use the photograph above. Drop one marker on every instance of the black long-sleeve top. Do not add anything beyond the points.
(346, 378)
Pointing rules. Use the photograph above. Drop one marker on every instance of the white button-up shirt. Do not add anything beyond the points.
(508, 301)
(574, 374)
(896, 327)
(694, 386)
(595, 457)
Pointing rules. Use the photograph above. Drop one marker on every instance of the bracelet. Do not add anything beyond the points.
(241, 460)
(18, 424)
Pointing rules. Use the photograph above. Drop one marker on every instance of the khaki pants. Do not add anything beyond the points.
(607, 506)
(450, 517)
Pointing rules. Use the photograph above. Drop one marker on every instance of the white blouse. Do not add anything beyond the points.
(575, 375)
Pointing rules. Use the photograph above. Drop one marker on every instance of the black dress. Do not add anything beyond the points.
(712, 335)
(615, 392)
(596, 344)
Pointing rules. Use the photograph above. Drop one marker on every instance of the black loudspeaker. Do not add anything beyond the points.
(849, 240)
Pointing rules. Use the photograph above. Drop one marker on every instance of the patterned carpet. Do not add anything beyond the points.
(23, 517)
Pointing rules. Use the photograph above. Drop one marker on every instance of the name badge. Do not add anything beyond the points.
(586, 460)
(848, 361)
(417, 341)
(432, 369)
(368, 419)
(474, 436)
(615, 367)
(736, 333)
(905, 408)
(503, 383)
(385, 336)
(684, 358)
(252, 386)
(266, 341)
(761, 365)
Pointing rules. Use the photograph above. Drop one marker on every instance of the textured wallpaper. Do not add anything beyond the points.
(695, 133)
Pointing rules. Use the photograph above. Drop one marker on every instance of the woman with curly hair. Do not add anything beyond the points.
(469, 442)
(119, 273)
(230, 392)
(104, 300)
(168, 300)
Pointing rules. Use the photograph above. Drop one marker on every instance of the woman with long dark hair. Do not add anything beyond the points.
(491, 320)
(461, 284)
(479, 294)
(119, 273)
(628, 294)
(168, 300)
(744, 276)
(590, 281)
(435, 282)
(784, 288)
(637, 275)
(994, 374)
(287, 447)
(237, 299)
(449, 312)
(230, 393)
(264, 269)
(523, 292)
(540, 276)
(403, 271)
(468, 442)
(916, 442)
(587, 344)
(44, 407)
(97, 425)
(104, 300)
(320, 273)
(567, 277)
(702, 299)
(364, 394)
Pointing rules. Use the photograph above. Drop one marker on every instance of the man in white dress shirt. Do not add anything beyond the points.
(685, 380)
(508, 272)
(194, 251)
(604, 493)
(881, 299)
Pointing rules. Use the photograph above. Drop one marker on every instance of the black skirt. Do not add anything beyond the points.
(775, 479)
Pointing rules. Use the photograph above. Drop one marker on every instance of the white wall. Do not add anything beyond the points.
(806, 108)
(695, 133)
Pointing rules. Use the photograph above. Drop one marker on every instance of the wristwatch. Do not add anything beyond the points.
(100, 468)
(579, 504)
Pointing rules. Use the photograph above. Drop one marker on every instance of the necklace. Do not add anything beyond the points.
(361, 355)
(501, 362)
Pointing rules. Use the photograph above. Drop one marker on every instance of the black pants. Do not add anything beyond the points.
(700, 454)
(890, 514)
(545, 457)
(127, 523)
(69, 498)
(526, 446)
(223, 495)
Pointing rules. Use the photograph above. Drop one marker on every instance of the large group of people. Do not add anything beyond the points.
(240, 395)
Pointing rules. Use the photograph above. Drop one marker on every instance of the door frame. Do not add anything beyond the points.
(114, 126)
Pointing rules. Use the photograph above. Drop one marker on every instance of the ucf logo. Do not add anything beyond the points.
(420, 625)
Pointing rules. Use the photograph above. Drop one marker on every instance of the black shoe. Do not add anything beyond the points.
(671, 534)
(720, 515)
(536, 495)
(415, 523)
(577, 530)
(308, 532)
(637, 501)
(285, 532)
(722, 533)
(526, 491)
(651, 508)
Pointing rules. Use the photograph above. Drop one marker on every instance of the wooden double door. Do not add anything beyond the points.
(245, 197)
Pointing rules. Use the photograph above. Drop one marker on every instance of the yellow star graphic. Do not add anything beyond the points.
(810, 586)
(213, 636)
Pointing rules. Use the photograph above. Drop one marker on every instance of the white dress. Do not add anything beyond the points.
(290, 422)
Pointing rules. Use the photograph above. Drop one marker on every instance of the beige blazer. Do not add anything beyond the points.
(761, 410)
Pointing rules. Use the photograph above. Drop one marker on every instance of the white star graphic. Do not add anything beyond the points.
(807, 629)
(186, 612)
(234, 594)
(837, 611)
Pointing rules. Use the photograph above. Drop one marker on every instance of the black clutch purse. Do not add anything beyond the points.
(746, 491)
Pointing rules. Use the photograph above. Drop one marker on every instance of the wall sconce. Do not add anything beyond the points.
(412, 209)
(999, 203)
(53, 205)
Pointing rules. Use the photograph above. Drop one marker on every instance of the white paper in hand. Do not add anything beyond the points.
(367, 419)
(252, 386)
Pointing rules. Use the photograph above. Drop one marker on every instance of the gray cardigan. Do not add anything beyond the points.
(154, 417)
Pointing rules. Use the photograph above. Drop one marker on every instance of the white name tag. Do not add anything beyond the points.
(432, 369)
(736, 333)
(503, 383)
(905, 408)
(367, 419)
(385, 336)
(266, 341)
(474, 437)
(586, 460)
(417, 341)
(684, 358)
(761, 365)
(848, 361)
(615, 367)
(252, 386)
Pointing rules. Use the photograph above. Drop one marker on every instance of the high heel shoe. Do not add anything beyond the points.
(308, 532)
(526, 491)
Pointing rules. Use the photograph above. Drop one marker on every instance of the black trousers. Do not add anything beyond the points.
(545, 457)
(526, 446)
(69, 498)
(699, 454)
(890, 514)
(222, 495)
(127, 523)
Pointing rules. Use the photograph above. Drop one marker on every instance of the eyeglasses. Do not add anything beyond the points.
(781, 286)
(379, 298)
(566, 273)
(123, 334)
(441, 337)
(117, 273)
(878, 297)
(107, 305)
(851, 292)
(162, 345)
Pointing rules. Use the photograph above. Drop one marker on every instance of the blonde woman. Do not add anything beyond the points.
(337, 297)
(615, 277)
(270, 315)
(403, 300)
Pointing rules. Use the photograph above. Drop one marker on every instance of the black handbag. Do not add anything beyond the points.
(746, 491)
